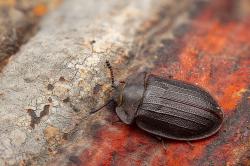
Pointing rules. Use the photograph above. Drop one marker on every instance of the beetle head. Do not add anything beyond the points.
(127, 97)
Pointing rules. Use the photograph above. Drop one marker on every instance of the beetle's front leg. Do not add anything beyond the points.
(115, 120)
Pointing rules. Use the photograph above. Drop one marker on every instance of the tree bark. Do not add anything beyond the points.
(50, 85)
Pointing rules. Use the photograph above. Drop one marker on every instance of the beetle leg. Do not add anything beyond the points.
(164, 145)
(114, 122)
(96, 110)
(190, 144)
(162, 142)
(170, 76)
(117, 120)
(145, 79)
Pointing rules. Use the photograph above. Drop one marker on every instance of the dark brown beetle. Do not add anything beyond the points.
(168, 108)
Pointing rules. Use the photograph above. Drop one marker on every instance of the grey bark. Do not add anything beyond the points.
(47, 87)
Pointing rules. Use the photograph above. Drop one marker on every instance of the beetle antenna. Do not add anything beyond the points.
(94, 111)
(111, 73)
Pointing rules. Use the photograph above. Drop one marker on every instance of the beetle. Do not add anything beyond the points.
(167, 107)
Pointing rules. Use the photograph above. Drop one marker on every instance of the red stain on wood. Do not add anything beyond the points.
(215, 60)
(216, 57)
(118, 145)
(40, 10)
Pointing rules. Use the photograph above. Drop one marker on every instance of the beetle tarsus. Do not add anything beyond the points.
(162, 142)
(190, 144)
(164, 145)
(170, 76)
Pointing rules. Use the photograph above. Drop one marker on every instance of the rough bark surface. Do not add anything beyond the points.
(18, 22)
(48, 88)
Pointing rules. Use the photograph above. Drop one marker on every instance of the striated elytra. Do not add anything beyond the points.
(168, 108)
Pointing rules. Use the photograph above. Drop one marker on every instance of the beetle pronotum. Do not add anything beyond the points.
(167, 108)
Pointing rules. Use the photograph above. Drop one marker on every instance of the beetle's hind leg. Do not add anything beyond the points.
(162, 142)
(190, 145)
(164, 145)
(170, 76)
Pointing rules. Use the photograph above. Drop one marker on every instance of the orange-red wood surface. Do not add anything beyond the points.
(214, 53)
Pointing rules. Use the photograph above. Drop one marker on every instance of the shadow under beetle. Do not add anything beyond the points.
(166, 107)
